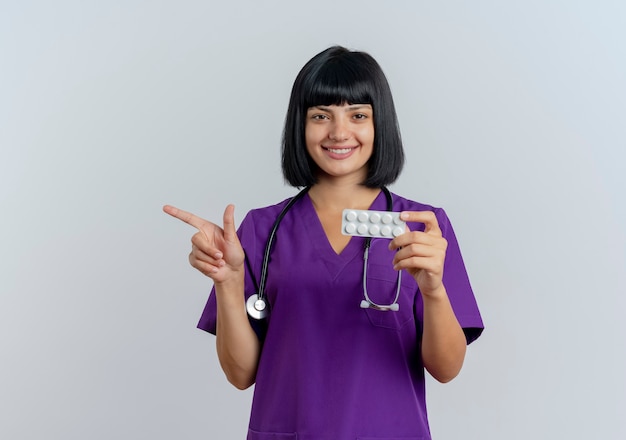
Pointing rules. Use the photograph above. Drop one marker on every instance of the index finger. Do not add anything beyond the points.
(428, 218)
(191, 219)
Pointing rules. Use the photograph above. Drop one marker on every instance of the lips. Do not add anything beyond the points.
(339, 152)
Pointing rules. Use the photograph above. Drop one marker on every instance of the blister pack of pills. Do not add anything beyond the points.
(375, 224)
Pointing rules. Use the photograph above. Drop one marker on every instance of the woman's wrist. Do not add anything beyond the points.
(436, 295)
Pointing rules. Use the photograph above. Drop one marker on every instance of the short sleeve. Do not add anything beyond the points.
(457, 283)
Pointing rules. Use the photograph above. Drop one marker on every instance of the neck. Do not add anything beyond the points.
(336, 196)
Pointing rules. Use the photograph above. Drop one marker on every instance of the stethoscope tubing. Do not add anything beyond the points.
(256, 304)
(270, 240)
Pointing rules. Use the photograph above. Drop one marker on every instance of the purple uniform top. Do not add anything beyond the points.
(330, 370)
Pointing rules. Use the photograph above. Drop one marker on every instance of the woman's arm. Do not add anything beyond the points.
(238, 346)
(443, 340)
(422, 254)
(218, 254)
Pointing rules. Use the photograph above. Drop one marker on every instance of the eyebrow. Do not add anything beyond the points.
(350, 107)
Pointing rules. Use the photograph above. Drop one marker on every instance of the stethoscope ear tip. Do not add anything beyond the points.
(394, 307)
(365, 304)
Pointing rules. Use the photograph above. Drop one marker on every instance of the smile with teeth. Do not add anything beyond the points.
(340, 150)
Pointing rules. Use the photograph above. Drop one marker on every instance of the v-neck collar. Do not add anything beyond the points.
(334, 262)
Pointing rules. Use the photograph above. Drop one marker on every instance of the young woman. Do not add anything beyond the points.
(348, 325)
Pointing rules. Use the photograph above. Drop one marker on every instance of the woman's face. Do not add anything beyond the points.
(340, 139)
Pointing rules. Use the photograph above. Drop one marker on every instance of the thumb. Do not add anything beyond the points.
(230, 232)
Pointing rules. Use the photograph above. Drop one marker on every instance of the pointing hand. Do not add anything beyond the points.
(215, 252)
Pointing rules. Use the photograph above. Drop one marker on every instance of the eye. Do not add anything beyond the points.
(360, 116)
(319, 117)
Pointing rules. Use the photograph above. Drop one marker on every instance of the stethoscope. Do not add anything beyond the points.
(257, 306)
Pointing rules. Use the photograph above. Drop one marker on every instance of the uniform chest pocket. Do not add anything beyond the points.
(382, 285)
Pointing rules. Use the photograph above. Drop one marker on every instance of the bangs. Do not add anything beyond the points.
(337, 84)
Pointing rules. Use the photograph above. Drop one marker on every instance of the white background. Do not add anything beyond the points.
(514, 120)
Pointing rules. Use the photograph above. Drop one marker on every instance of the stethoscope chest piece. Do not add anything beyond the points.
(256, 307)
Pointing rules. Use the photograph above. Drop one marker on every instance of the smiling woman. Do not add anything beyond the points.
(308, 346)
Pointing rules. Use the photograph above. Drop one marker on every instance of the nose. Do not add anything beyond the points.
(339, 131)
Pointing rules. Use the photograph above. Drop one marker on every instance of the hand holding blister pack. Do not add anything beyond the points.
(374, 224)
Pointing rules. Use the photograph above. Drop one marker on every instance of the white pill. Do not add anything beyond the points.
(387, 218)
(351, 216)
(350, 228)
(385, 231)
(374, 229)
(398, 231)
(363, 216)
(375, 217)
(362, 229)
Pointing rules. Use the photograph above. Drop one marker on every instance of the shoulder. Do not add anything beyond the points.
(403, 204)
(255, 228)
(266, 213)
(260, 220)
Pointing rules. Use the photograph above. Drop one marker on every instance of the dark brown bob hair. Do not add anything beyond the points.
(339, 76)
